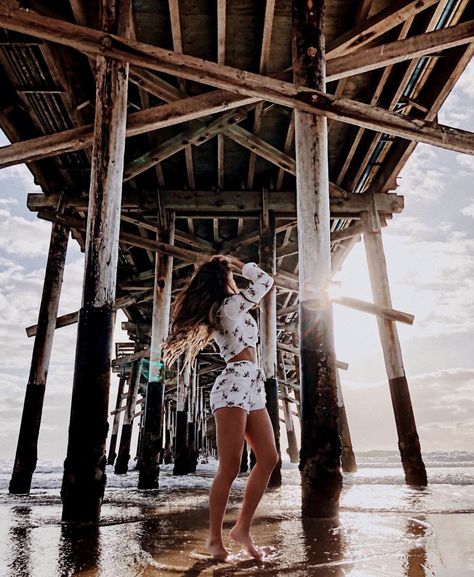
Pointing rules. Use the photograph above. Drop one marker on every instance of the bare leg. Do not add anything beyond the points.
(230, 429)
(260, 436)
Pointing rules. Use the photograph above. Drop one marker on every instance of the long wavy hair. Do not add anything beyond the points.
(193, 316)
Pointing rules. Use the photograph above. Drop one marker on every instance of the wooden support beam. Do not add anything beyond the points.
(408, 441)
(257, 146)
(211, 203)
(268, 330)
(84, 467)
(292, 450)
(347, 458)
(321, 478)
(368, 30)
(360, 305)
(190, 239)
(264, 57)
(221, 36)
(123, 457)
(295, 351)
(256, 86)
(116, 423)
(197, 134)
(181, 465)
(375, 309)
(286, 149)
(71, 318)
(27, 447)
(152, 438)
(178, 47)
(137, 123)
(400, 50)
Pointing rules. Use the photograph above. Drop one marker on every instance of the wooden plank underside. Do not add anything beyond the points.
(261, 87)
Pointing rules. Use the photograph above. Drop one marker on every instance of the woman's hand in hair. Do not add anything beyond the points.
(233, 262)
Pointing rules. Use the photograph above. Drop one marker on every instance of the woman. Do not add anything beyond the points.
(211, 307)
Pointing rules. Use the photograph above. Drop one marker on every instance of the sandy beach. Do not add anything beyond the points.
(385, 528)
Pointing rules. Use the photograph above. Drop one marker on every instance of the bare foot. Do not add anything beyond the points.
(216, 550)
(243, 538)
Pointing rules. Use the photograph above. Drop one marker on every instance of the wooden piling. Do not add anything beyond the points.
(320, 453)
(293, 452)
(116, 423)
(408, 440)
(268, 330)
(181, 465)
(348, 458)
(123, 457)
(27, 447)
(152, 441)
(84, 468)
(167, 453)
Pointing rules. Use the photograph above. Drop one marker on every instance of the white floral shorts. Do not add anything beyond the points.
(241, 384)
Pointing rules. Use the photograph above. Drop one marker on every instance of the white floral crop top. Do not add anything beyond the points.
(237, 327)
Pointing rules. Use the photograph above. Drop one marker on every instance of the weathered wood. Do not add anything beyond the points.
(264, 57)
(257, 86)
(27, 448)
(84, 468)
(268, 331)
(381, 22)
(140, 122)
(256, 145)
(296, 352)
(375, 309)
(203, 202)
(155, 392)
(71, 318)
(320, 454)
(360, 305)
(347, 458)
(181, 465)
(408, 441)
(116, 422)
(123, 457)
(400, 50)
(292, 450)
(178, 47)
(196, 135)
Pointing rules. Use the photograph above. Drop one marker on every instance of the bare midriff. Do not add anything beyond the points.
(247, 354)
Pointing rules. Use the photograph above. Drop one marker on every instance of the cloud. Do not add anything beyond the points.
(20, 174)
(424, 176)
(443, 406)
(22, 237)
(467, 163)
(468, 210)
(456, 111)
(465, 84)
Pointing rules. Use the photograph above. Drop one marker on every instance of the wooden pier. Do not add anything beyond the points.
(165, 131)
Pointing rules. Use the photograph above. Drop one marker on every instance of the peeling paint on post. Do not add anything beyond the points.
(84, 468)
(320, 453)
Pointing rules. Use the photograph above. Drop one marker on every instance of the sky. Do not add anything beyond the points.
(430, 259)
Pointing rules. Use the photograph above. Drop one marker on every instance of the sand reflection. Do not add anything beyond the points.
(20, 554)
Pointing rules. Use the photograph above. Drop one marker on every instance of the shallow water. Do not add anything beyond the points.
(385, 528)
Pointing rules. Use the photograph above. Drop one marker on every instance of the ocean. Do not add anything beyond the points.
(385, 529)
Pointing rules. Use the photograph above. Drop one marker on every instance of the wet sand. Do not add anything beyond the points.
(162, 532)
